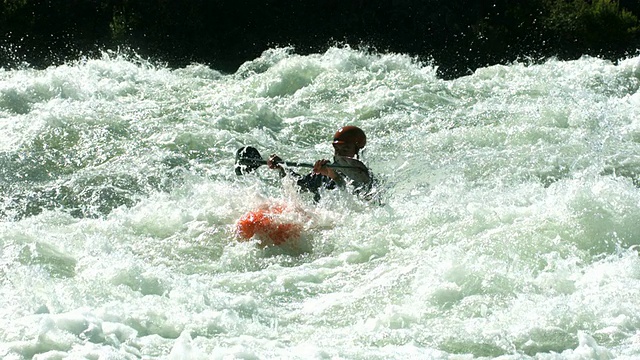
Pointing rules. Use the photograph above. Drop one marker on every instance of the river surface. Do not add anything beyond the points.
(509, 226)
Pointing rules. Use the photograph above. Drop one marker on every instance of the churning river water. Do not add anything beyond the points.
(510, 223)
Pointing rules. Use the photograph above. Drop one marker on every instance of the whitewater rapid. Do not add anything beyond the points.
(509, 228)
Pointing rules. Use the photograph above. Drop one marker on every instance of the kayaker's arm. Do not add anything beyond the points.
(274, 162)
(320, 168)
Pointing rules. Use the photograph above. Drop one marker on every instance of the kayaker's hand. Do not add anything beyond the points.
(274, 162)
(320, 167)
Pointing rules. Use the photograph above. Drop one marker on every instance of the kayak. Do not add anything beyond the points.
(274, 224)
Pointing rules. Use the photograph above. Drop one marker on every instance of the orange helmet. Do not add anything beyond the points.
(351, 135)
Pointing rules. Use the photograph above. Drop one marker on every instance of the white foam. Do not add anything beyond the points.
(508, 230)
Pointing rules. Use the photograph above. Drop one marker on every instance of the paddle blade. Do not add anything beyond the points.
(247, 159)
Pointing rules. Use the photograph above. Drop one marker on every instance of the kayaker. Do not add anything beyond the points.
(347, 143)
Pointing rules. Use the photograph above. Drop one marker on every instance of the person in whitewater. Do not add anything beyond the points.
(347, 143)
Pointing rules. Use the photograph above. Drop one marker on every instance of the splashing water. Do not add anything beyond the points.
(510, 225)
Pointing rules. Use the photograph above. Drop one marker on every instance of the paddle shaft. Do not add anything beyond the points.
(248, 159)
(306, 165)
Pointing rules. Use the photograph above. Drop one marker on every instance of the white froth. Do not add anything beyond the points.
(509, 227)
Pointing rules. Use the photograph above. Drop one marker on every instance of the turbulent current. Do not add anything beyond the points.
(509, 223)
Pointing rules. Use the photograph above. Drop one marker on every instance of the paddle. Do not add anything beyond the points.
(248, 159)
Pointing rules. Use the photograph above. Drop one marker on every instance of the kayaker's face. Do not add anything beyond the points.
(344, 149)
